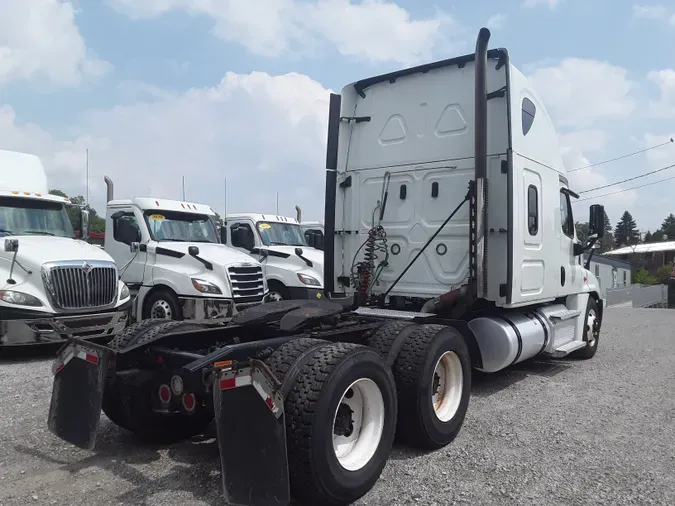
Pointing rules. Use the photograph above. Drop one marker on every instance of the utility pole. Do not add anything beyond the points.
(87, 193)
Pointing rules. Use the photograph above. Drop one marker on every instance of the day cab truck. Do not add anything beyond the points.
(171, 257)
(293, 268)
(52, 284)
(450, 246)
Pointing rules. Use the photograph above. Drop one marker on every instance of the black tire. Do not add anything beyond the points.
(316, 475)
(171, 301)
(591, 336)
(280, 288)
(293, 354)
(130, 406)
(133, 332)
(389, 339)
(414, 368)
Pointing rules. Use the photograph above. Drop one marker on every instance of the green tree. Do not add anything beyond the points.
(626, 232)
(607, 242)
(658, 236)
(648, 237)
(668, 228)
(96, 223)
(582, 231)
(642, 277)
(663, 273)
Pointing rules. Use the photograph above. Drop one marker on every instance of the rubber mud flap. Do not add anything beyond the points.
(77, 393)
(251, 433)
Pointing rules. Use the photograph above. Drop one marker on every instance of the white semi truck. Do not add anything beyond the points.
(293, 268)
(52, 284)
(170, 256)
(449, 236)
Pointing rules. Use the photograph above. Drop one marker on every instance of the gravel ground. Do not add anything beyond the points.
(566, 432)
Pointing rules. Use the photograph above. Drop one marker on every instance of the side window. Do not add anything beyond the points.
(624, 278)
(566, 215)
(529, 111)
(125, 228)
(532, 210)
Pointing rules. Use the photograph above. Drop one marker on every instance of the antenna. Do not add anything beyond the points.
(277, 203)
(183, 188)
(224, 218)
(87, 201)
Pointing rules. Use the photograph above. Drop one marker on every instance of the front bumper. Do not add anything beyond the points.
(303, 293)
(56, 329)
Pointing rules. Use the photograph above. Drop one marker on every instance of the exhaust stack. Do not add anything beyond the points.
(109, 188)
(481, 103)
(298, 214)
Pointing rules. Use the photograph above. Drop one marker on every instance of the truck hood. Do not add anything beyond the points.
(216, 253)
(311, 254)
(36, 250)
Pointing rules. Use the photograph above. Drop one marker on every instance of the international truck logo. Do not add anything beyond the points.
(86, 267)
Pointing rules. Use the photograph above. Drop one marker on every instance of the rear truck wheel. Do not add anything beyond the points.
(134, 406)
(340, 424)
(277, 291)
(162, 304)
(591, 331)
(433, 380)
(289, 358)
(389, 338)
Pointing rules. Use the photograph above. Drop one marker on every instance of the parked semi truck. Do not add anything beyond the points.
(450, 245)
(52, 284)
(293, 268)
(171, 257)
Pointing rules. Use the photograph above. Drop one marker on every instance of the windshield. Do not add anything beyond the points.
(181, 227)
(281, 234)
(19, 216)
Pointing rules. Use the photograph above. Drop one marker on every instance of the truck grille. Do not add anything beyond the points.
(247, 283)
(81, 285)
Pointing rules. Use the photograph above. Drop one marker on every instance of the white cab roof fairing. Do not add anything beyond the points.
(256, 217)
(150, 203)
(541, 143)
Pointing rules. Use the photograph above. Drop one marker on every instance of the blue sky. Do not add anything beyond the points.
(157, 89)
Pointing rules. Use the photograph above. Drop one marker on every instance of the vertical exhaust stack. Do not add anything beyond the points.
(478, 217)
(298, 214)
(109, 188)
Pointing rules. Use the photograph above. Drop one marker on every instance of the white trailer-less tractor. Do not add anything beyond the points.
(170, 256)
(449, 238)
(52, 285)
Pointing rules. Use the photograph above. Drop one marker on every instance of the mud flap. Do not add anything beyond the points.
(251, 433)
(79, 379)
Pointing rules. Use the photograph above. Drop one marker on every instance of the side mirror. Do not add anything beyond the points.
(223, 235)
(298, 251)
(134, 246)
(596, 221)
(11, 245)
(84, 220)
(242, 239)
(193, 251)
(578, 249)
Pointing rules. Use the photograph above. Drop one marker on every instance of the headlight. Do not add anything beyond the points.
(204, 286)
(308, 280)
(20, 298)
(125, 291)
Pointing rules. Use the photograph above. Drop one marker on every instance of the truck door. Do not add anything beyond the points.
(567, 267)
(125, 230)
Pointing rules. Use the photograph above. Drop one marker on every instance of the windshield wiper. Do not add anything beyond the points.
(38, 232)
(6, 232)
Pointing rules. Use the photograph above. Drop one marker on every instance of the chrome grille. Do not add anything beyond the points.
(81, 285)
(247, 283)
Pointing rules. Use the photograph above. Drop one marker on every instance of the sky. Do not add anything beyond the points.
(238, 89)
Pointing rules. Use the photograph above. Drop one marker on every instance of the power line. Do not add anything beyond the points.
(670, 141)
(629, 179)
(625, 189)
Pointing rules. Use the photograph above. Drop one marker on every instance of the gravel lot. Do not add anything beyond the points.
(567, 432)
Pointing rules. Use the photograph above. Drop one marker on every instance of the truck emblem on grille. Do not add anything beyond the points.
(86, 267)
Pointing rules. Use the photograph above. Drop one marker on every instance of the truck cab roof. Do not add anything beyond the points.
(272, 218)
(149, 203)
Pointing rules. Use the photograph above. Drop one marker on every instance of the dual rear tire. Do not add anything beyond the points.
(346, 404)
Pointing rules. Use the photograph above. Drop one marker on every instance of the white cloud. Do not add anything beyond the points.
(376, 30)
(266, 134)
(534, 3)
(497, 21)
(579, 92)
(656, 12)
(665, 81)
(39, 38)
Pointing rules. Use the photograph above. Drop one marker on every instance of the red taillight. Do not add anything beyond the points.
(164, 394)
(91, 358)
(189, 402)
(226, 384)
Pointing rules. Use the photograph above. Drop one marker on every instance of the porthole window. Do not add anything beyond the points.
(529, 111)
